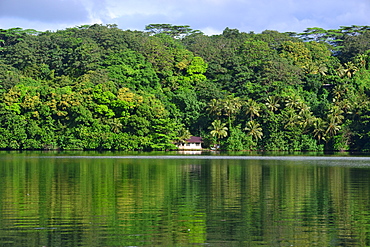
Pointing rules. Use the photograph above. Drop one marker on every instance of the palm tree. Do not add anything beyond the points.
(231, 106)
(361, 60)
(214, 107)
(335, 115)
(341, 71)
(350, 69)
(292, 119)
(335, 118)
(315, 69)
(332, 128)
(307, 119)
(294, 101)
(319, 129)
(218, 129)
(254, 130)
(322, 69)
(346, 105)
(273, 103)
(253, 108)
(310, 68)
(339, 91)
(304, 108)
(183, 134)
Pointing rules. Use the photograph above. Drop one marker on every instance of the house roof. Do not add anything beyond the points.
(194, 139)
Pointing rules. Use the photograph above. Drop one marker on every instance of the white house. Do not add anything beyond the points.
(193, 143)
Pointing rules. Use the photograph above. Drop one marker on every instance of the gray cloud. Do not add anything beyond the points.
(206, 15)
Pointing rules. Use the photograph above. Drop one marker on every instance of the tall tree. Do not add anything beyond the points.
(254, 129)
(252, 108)
(219, 130)
(175, 31)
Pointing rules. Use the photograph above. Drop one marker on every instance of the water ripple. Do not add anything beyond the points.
(209, 157)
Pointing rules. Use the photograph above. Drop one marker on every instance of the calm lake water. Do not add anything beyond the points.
(122, 199)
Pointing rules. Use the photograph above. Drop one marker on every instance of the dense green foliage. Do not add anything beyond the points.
(99, 87)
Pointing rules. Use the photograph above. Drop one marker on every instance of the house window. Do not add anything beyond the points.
(197, 144)
(188, 144)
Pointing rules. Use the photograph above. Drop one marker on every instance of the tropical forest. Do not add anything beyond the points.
(98, 87)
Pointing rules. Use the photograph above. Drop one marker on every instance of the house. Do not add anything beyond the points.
(193, 143)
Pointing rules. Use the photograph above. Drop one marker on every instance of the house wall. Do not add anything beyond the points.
(190, 145)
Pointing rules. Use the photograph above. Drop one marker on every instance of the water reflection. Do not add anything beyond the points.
(83, 201)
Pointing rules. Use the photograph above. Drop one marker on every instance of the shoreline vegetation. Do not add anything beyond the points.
(97, 87)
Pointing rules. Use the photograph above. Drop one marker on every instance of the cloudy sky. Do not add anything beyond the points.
(209, 16)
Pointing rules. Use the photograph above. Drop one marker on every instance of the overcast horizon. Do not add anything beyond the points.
(209, 16)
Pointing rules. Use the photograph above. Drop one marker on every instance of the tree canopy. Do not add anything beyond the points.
(97, 87)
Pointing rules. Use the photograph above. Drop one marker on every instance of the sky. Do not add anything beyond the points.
(209, 16)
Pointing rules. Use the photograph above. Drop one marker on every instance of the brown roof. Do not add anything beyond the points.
(194, 139)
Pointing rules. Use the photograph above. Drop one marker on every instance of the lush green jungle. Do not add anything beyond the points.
(97, 87)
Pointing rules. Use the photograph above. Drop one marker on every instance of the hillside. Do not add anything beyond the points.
(102, 88)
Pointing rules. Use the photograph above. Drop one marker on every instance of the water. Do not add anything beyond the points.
(123, 199)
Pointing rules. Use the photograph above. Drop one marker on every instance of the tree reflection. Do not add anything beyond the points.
(122, 202)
